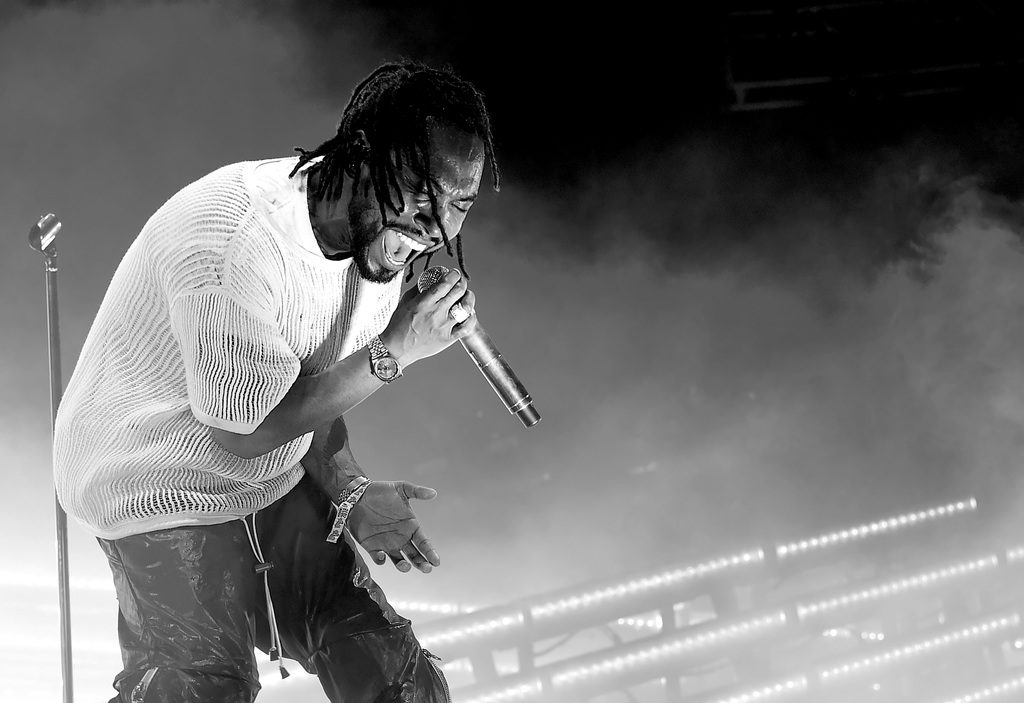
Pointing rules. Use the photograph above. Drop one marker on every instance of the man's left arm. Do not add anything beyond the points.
(382, 521)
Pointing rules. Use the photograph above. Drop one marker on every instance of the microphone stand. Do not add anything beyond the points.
(42, 238)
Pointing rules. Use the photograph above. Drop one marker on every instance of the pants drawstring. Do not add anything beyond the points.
(264, 567)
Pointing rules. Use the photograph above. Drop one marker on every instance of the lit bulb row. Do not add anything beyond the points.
(990, 692)
(873, 528)
(465, 666)
(1014, 555)
(653, 623)
(776, 691)
(673, 577)
(512, 693)
(646, 583)
(897, 586)
(478, 628)
(433, 608)
(847, 633)
(672, 648)
(924, 646)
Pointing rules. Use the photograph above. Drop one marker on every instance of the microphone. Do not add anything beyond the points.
(488, 359)
(43, 234)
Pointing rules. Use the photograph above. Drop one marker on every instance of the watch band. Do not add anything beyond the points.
(382, 364)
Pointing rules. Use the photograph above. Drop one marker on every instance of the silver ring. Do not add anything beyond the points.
(458, 313)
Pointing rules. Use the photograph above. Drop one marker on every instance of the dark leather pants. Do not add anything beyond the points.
(192, 607)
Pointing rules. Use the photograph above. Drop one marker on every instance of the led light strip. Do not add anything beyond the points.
(478, 628)
(512, 693)
(647, 583)
(668, 649)
(671, 578)
(773, 692)
(897, 586)
(992, 692)
(652, 623)
(924, 646)
(1015, 554)
(829, 539)
(432, 608)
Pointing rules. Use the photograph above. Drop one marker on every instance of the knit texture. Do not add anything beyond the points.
(211, 315)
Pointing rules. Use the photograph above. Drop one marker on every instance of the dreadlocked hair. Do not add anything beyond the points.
(391, 107)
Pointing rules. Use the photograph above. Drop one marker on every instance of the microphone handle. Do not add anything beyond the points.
(500, 375)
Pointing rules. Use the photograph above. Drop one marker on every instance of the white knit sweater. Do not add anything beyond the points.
(218, 305)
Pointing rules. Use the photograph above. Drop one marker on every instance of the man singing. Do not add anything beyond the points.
(201, 437)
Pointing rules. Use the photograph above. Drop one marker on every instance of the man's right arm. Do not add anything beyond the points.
(304, 407)
(420, 327)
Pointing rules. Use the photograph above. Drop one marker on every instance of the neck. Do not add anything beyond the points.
(328, 219)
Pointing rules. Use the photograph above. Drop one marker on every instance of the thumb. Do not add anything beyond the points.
(410, 293)
(411, 490)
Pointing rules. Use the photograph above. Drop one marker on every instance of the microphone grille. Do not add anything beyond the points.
(430, 276)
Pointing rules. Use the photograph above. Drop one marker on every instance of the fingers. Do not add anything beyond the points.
(411, 490)
(420, 562)
(452, 282)
(400, 562)
(454, 294)
(464, 308)
(419, 553)
(397, 558)
(424, 546)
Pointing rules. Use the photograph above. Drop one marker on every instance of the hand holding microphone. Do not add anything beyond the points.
(481, 349)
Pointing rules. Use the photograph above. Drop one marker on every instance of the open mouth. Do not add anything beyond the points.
(398, 249)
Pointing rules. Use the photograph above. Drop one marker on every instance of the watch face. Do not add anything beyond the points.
(385, 368)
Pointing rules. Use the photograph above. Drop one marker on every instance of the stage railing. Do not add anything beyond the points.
(739, 613)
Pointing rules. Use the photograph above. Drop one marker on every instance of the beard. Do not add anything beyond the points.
(366, 225)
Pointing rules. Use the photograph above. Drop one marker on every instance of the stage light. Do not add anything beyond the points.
(652, 623)
(667, 648)
(896, 586)
(483, 627)
(991, 692)
(635, 587)
(1015, 555)
(772, 692)
(506, 619)
(921, 647)
(829, 539)
(517, 692)
(432, 608)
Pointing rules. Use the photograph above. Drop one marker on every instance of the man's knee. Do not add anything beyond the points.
(167, 685)
(385, 665)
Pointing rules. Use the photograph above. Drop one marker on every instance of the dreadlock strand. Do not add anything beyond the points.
(392, 108)
(462, 261)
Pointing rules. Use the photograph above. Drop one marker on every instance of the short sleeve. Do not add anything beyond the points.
(238, 366)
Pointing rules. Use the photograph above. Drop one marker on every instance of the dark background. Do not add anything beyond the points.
(758, 263)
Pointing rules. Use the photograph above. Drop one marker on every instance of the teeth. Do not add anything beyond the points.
(410, 242)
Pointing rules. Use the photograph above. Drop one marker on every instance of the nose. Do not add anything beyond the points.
(428, 223)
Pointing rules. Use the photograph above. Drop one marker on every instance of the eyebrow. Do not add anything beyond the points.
(437, 187)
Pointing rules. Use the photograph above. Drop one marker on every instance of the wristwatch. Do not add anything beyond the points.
(382, 364)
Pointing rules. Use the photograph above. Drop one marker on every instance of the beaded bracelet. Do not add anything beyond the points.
(348, 500)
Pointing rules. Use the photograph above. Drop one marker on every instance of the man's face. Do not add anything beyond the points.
(383, 248)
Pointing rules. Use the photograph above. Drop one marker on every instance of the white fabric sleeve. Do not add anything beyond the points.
(238, 366)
